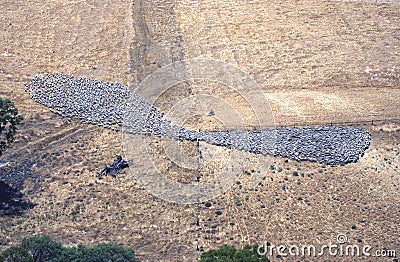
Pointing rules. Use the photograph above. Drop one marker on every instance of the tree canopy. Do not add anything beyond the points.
(43, 248)
(9, 119)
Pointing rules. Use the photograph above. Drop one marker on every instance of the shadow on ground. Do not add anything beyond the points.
(12, 202)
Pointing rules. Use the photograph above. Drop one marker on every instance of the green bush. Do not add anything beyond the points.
(9, 119)
(229, 253)
(44, 249)
(16, 254)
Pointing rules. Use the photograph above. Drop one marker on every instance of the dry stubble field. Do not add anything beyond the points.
(317, 62)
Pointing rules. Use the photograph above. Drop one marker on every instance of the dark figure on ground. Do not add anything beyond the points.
(115, 167)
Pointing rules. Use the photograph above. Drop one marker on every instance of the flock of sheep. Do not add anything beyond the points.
(113, 104)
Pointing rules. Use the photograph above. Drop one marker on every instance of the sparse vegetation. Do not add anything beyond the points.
(315, 62)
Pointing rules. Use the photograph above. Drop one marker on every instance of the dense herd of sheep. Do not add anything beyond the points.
(110, 104)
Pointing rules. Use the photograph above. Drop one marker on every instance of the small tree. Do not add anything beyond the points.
(42, 248)
(9, 119)
(229, 253)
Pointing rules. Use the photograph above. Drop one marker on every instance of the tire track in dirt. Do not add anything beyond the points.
(157, 42)
(157, 38)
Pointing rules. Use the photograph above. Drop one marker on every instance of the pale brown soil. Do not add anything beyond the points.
(317, 62)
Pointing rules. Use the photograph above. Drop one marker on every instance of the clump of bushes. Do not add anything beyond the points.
(43, 248)
(230, 253)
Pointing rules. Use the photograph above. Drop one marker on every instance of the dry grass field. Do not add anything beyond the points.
(317, 62)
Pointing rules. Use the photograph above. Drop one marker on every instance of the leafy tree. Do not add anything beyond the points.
(42, 248)
(9, 119)
(103, 252)
(231, 254)
(16, 254)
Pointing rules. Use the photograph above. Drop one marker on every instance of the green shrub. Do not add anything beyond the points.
(42, 248)
(229, 253)
(16, 254)
(9, 119)
(238, 202)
